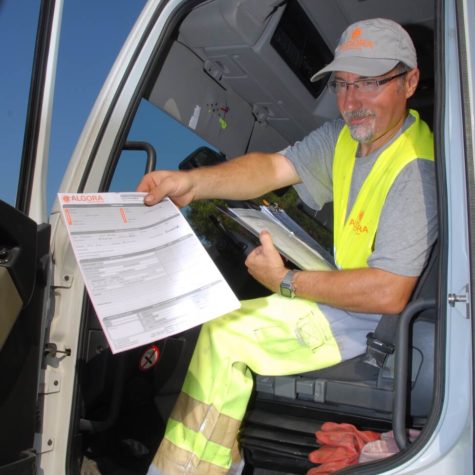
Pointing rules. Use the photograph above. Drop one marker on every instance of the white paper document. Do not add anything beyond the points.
(146, 272)
(284, 239)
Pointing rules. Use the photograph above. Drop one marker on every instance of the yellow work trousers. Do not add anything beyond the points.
(271, 336)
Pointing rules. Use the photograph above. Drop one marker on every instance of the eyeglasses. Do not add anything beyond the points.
(365, 86)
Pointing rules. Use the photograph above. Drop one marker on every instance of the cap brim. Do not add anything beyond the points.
(357, 65)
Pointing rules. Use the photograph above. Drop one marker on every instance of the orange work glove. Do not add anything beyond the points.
(340, 446)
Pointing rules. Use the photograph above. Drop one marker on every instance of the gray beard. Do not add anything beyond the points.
(360, 133)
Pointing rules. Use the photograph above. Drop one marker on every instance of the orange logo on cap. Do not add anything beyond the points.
(356, 32)
(355, 42)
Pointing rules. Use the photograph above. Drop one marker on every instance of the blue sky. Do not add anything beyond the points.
(93, 32)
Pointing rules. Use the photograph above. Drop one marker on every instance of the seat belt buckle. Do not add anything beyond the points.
(379, 345)
(377, 351)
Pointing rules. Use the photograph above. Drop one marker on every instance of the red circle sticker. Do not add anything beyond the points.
(149, 358)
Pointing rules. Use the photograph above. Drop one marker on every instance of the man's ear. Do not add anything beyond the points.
(412, 80)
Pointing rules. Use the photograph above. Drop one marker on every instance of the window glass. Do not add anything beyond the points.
(18, 22)
(171, 140)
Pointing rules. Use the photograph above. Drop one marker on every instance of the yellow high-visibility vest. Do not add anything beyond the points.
(354, 235)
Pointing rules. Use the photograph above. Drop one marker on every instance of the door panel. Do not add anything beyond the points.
(11, 303)
(24, 267)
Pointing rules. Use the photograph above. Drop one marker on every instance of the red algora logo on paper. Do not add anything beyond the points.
(355, 41)
(357, 224)
(84, 198)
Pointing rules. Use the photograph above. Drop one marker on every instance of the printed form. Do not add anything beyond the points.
(284, 239)
(147, 274)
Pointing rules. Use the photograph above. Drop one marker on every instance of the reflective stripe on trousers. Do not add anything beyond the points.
(271, 336)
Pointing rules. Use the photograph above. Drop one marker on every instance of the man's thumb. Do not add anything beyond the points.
(266, 239)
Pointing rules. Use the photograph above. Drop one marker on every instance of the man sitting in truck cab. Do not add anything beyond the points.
(376, 165)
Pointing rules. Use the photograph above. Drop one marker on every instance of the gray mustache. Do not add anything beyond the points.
(358, 114)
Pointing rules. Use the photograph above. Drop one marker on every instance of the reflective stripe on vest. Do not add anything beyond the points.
(354, 235)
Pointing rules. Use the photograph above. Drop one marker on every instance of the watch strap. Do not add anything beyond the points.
(287, 288)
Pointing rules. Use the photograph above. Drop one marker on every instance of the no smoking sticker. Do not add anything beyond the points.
(149, 358)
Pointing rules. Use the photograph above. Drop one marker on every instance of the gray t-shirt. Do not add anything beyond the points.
(407, 227)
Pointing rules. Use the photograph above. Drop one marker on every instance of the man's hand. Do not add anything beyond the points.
(368, 290)
(265, 264)
(177, 185)
(241, 178)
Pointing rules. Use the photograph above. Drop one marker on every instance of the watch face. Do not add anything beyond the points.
(285, 291)
(286, 287)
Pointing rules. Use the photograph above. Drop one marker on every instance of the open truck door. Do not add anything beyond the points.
(25, 267)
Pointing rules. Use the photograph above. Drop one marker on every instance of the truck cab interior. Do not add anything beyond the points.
(236, 74)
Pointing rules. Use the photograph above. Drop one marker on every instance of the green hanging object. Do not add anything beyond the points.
(222, 123)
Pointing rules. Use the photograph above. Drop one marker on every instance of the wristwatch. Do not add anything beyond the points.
(287, 288)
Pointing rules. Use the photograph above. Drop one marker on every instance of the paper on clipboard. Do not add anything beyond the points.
(146, 272)
(285, 240)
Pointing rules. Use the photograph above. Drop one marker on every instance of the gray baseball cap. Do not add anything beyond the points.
(371, 48)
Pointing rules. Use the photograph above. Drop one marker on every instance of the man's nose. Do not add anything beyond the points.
(350, 98)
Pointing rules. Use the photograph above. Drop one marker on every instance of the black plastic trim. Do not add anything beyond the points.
(301, 47)
(146, 147)
(25, 465)
(402, 368)
(35, 104)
